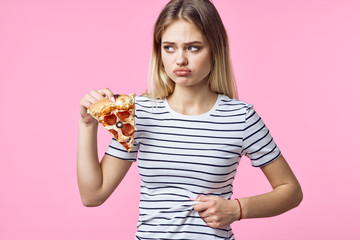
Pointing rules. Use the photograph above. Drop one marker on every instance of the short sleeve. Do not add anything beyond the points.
(116, 150)
(258, 144)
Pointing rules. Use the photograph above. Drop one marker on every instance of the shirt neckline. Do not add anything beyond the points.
(199, 116)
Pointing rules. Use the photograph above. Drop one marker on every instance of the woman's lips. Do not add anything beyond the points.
(182, 71)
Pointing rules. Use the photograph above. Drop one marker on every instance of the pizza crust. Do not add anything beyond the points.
(96, 108)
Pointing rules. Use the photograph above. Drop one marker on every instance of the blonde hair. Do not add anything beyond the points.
(205, 17)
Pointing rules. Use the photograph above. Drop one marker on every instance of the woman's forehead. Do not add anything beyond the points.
(182, 31)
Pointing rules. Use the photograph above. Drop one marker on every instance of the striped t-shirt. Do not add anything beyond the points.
(182, 156)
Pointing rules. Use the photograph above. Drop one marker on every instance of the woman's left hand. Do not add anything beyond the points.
(216, 211)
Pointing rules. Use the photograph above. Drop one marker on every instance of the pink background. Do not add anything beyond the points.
(297, 61)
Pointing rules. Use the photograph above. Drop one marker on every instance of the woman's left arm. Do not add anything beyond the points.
(286, 194)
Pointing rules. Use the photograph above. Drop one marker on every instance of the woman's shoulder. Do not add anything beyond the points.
(228, 102)
(142, 98)
(144, 101)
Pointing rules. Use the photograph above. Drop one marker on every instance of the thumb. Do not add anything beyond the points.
(201, 206)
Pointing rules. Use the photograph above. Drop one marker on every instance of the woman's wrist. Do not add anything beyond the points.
(241, 208)
(239, 212)
(88, 124)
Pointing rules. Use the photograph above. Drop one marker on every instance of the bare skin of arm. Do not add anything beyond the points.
(96, 180)
(286, 194)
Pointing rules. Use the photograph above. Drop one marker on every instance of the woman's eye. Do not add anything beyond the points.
(193, 48)
(168, 48)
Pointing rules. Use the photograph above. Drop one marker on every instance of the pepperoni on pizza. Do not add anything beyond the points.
(117, 117)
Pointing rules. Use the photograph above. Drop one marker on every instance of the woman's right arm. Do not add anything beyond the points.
(96, 180)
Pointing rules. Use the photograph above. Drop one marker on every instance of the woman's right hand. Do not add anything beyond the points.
(89, 99)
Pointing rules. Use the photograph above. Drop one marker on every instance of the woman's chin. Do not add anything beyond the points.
(188, 82)
(183, 81)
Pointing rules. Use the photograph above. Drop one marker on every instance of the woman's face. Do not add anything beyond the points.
(186, 54)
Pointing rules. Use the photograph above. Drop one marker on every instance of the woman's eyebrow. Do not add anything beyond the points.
(186, 44)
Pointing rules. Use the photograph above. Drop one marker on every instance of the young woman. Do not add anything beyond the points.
(191, 133)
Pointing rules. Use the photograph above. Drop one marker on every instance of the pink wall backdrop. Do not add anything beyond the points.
(297, 61)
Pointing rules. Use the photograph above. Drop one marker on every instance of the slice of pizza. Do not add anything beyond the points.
(117, 117)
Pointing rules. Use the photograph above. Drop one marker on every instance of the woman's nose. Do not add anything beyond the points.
(181, 59)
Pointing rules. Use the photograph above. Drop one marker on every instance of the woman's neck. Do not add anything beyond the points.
(192, 101)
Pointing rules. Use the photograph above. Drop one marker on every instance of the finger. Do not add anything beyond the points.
(205, 215)
(90, 99)
(213, 221)
(200, 207)
(106, 93)
(209, 219)
(196, 198)
(214, 224)
(203, 198)
(96, 94)
(85, 103)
